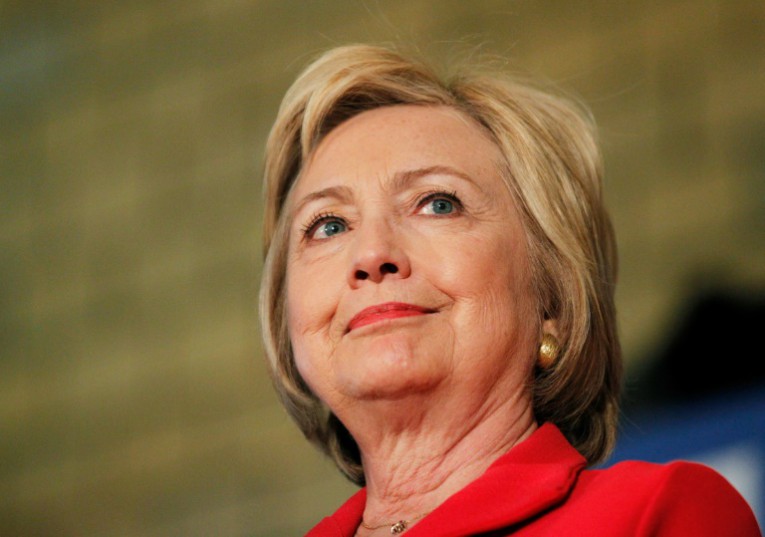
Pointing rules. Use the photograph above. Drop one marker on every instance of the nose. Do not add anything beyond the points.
(377, 254)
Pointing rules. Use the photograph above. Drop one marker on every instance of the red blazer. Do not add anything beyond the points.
(542, 487)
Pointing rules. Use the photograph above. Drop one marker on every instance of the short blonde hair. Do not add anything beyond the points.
(553, 168)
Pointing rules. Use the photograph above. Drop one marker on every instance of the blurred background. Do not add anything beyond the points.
(133, 396)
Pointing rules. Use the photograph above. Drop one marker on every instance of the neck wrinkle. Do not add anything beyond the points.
(412, 472)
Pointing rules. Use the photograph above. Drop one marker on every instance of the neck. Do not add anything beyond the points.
(411, 467)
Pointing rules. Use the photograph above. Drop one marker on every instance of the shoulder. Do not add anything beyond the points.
(678, 498)
(676, 473)
(680, 476)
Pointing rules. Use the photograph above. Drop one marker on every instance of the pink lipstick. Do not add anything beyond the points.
(381, 312)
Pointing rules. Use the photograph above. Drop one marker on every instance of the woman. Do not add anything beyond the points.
(437, 307)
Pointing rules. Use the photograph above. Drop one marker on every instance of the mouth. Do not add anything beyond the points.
(386, 311)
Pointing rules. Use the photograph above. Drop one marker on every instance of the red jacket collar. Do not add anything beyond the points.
(534, 475)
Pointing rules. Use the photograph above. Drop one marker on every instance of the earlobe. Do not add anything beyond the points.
(550, 326)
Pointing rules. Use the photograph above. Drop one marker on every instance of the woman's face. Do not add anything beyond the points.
(408, 270)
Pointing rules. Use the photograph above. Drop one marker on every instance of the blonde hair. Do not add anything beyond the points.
(553, 168)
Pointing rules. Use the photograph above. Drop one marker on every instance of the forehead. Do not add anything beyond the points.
(379, 143)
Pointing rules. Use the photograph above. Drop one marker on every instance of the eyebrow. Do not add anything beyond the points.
(402, 179)
(342, 194)
(399, 181)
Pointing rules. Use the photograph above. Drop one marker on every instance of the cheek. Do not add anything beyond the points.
(477, 265)
(311, 299)
(311, 306)
(514, 301)
(304, 346)
(489, 280)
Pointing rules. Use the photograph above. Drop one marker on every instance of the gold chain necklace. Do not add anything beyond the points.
(396, 527)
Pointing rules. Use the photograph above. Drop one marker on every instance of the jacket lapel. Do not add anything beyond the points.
(533, 476)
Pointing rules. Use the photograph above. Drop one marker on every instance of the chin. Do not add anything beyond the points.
(391, 370)
(389, 389)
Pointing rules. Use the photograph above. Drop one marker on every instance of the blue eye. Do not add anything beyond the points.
(327, 229)
(440, 203)
(324, 226)
(442, 206)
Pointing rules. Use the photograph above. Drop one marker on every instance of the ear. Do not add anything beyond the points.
(550, 326)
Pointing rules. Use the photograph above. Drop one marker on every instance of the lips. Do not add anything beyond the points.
(382, 312)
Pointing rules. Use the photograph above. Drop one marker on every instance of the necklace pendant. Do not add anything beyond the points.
(398, 527)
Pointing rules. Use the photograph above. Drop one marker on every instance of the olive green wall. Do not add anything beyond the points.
(133, 396)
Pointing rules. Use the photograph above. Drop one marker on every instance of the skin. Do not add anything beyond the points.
(406, 204)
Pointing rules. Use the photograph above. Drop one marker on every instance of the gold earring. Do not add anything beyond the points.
(548, 351)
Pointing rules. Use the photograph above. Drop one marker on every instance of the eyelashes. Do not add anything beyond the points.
(323, 217)
(453, 203)
(437, 203)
